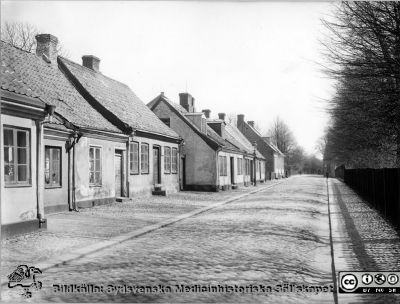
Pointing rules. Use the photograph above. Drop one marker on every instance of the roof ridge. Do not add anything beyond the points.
(94, 72)
(17, 48)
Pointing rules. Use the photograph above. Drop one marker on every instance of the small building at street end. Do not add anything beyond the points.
(73, 137)
(212, 158)
(275, 159)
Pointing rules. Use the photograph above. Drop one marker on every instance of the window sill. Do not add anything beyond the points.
(16, 186)
(134, 173)
(95, 186)
(53, 187)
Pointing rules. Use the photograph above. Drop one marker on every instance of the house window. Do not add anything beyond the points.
(95, 166)
(16, 156)
(174, 163)
(134, 157)
(222, 166)
(240, 166)
(144, 158)
(167, 121)
(167, 160)
(52, 166)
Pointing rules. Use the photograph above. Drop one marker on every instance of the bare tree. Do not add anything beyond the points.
(364, 52)
(232, 118)
(281, 135)
(22, 35)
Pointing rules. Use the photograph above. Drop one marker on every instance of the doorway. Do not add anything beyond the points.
(232, 170)
(156, 166)
(252, 171)
(118, 173)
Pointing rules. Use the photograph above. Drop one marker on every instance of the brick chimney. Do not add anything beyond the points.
(221, 116)
(187, 101)
(47, 47)
(240, 122)
(207, 113)
(218, 127)
(251, 123)
(91, 62)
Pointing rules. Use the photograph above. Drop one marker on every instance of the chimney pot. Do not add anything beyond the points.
(91, 62)
(221, 116)
(207, 113)
(47, 47)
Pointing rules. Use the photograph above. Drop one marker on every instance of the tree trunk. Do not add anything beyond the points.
(398, 149)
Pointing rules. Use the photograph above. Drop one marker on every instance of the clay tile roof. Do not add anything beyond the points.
(119, 99)
(26, 74)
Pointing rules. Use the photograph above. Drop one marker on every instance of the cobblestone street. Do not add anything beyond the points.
(277, 235)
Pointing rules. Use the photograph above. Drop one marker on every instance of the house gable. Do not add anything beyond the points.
(200, 156)
(115, 100)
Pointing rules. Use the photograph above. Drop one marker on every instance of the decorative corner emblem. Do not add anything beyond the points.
(25, 277)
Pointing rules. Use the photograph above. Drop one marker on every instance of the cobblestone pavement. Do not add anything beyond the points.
(278, 235)
(362, 240)
(71, 230)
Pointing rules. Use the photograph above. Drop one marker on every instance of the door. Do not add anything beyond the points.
(252, 171)
(156, 165)
(232, 171)
(118, 173)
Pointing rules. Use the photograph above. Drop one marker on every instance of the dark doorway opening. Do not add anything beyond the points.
(156, 166)
(232, 171)
(118, 173)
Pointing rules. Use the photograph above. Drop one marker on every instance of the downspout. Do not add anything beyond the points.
(72, 171)
(49, 111)
(39, 174)
(128, 165)
(178, 163)
(255, 168)
(68, 145)
(131, 133)
(217, 167)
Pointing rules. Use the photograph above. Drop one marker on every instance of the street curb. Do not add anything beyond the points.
(79, 253)
(333, 264)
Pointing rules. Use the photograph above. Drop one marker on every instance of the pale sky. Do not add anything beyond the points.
(253, 58)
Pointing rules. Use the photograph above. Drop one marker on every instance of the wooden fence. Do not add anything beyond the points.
(380, 187)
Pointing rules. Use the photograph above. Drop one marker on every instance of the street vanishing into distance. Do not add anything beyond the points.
(277, 235)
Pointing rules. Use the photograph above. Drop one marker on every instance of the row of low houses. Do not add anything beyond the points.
(73, 137)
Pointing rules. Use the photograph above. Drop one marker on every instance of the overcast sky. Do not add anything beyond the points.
(259, 59)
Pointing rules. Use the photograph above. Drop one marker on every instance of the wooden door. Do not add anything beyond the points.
(118, 173)
(156, 165)
(232, 170)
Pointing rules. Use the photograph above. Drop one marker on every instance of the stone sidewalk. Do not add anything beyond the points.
(71, 231)
(362, 240)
